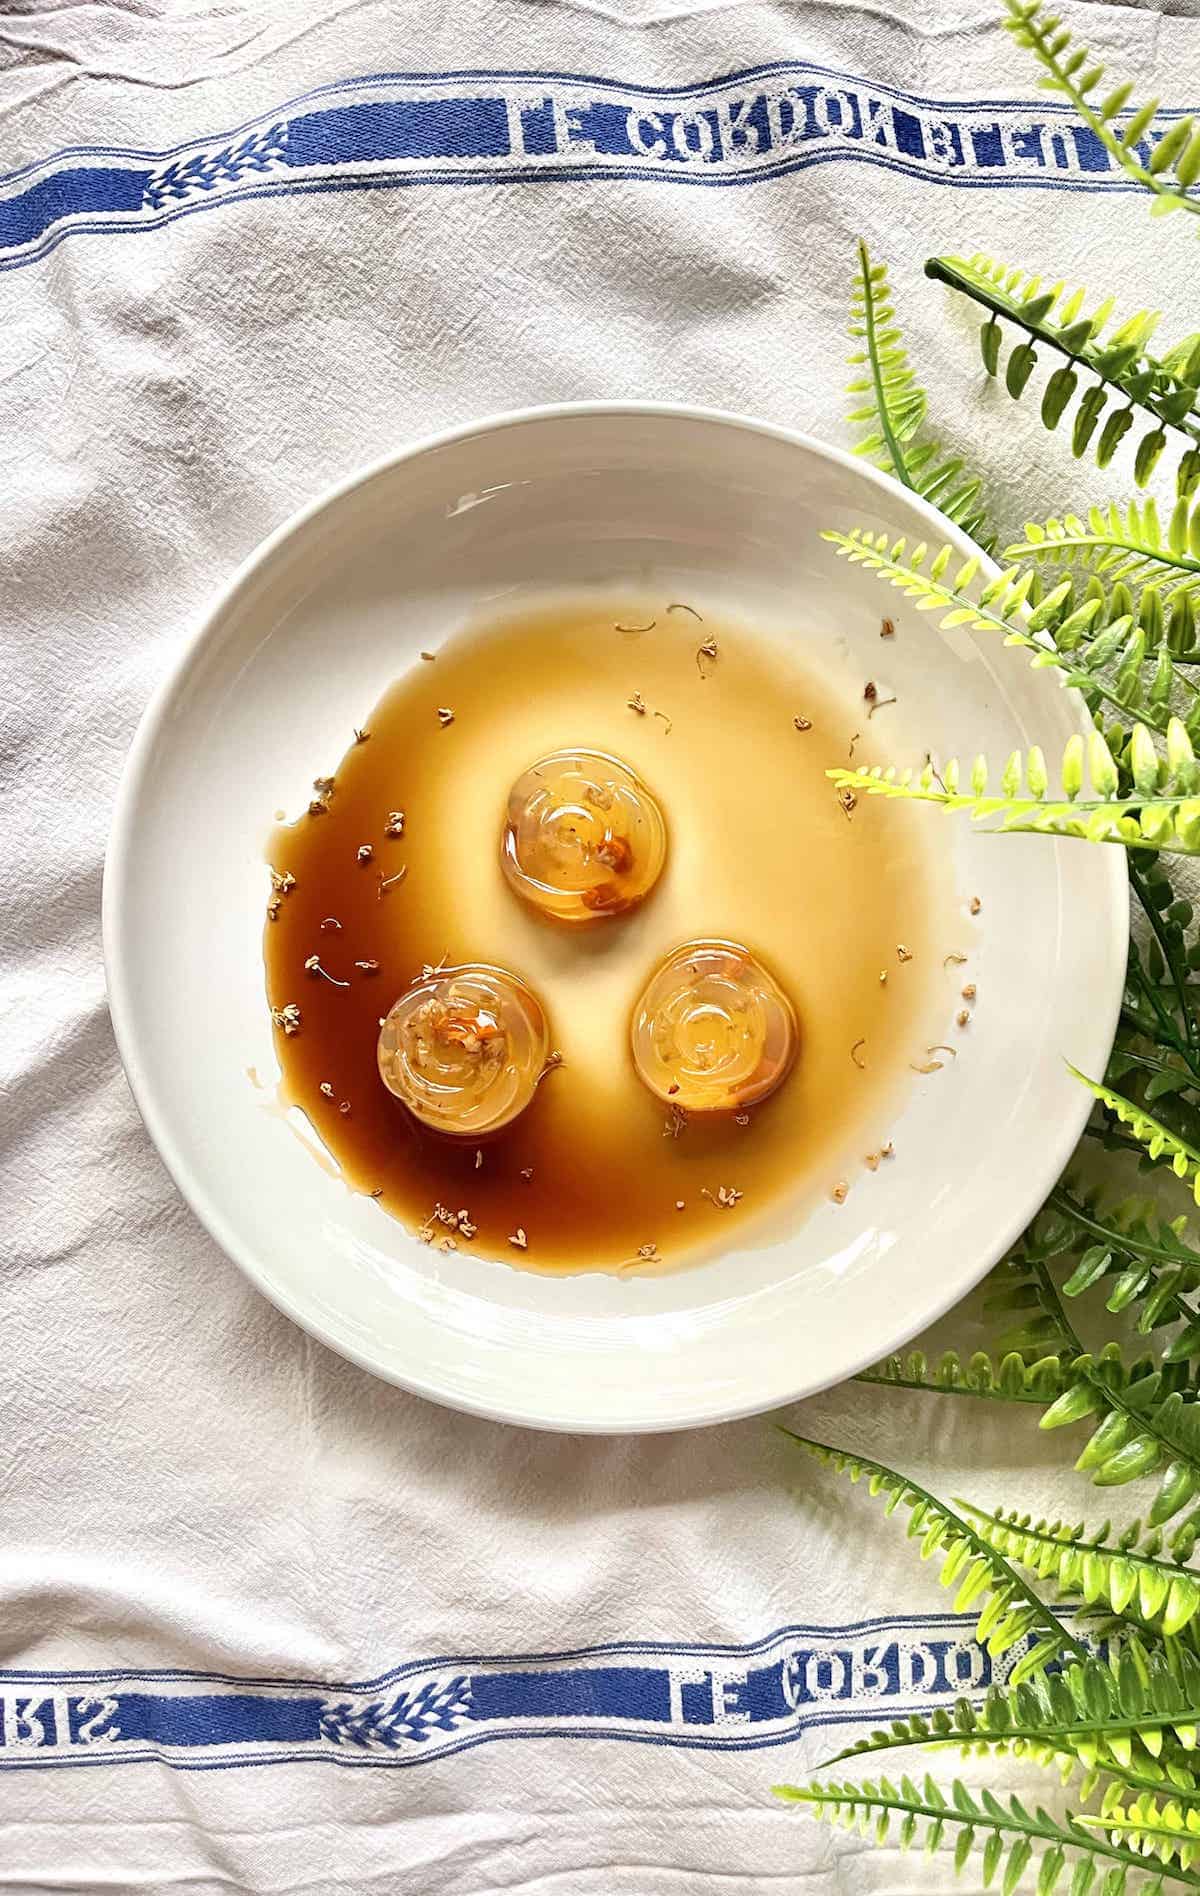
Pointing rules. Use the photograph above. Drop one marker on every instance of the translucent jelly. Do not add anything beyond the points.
(584, 837)
(713, 1031)
(464, 1048)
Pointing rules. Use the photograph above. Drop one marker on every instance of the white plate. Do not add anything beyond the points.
(305, 638)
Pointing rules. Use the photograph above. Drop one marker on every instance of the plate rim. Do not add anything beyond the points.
(120, 845)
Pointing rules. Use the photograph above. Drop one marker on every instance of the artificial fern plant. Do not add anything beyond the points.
(1099, 1632)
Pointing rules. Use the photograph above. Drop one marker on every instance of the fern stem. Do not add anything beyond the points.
(993, 1394)
(1058, 1736)
(1064, 544)
(1111, 1235)
(1141, 1826)
(1149, 1029)
(1037, 38)
(981, 1547)
(1113, 1140)
(993, 1817)
(1052, 1305)
(1161, 1029)
(1149, 1061)
(1169, 1568)
(1151, 819)
(1170, 955)
(891, 439)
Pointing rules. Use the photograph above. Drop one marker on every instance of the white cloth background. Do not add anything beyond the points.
(186, 1480)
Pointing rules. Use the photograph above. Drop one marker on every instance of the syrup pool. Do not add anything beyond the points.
(598, 1172)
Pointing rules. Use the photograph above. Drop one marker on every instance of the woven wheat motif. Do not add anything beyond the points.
(184, 178)
(439, 1705)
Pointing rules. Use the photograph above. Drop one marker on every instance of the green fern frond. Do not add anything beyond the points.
(1147, 1419)
(1115, 366)
(1171, 955)
(894, 405)
(1171, 142)
(1013, 1611)
(1107, 666)
(1006, 1834)
(890, 404)
(1145, 1427)
(1158, 1139)
(1020, 1288)
(1166, 1827)
(1109, 1713)
(1165, 818)
(1011, 1379)
(1124, 544)
(1154, 1268)
(1080, 1563)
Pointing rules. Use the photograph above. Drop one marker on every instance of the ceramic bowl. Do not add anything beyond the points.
(306, 635)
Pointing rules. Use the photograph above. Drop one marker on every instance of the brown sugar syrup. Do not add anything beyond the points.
(595, 1174)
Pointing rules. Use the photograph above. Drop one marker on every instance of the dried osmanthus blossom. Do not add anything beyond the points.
(312, 965)
(725, 1198)
(459, 1222)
